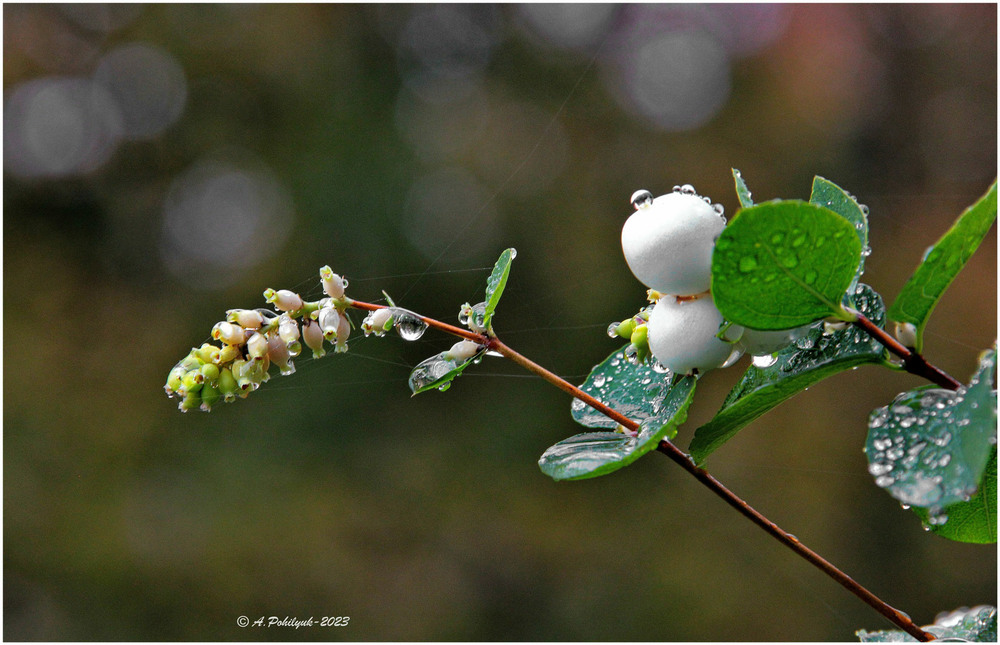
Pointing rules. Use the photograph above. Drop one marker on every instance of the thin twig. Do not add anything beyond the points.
(678, 456)
(913, 362)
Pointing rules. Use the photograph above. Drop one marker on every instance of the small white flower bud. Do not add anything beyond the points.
(257, 346)
(376, 322)
(343, 331)
(247, 318)
(229, 333)
(284, 299)
(288, 329)
(463, 350)
(312, 333)
(906, 333)
(277, 351)
(329, 322)
(333, 284)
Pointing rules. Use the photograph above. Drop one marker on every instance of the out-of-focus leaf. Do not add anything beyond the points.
(783, 264)
(942, 262)
(804, 362)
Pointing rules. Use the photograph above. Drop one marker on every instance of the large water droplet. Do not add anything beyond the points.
(641, 199)
(599, 380)
(408, 325)
(688, 189)
(613, 330)
(764, 361)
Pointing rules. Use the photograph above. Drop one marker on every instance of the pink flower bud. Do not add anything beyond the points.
(247, 318)
(343, 331)
(277, 351)
(333, 284)
(284, 299)
(329, 322)
(229, 333)
(257, 345)
(313, 335)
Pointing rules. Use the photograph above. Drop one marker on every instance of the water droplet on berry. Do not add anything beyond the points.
(641, 199)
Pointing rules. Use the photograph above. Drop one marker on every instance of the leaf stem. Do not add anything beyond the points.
(913, 362)
(679, 457)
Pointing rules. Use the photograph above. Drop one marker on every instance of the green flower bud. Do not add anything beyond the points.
(173, 383)
(191, 401)
(229, 353)
(192, 381)
(227, 384)
(209, 397)
(210, 371)
(207, 353)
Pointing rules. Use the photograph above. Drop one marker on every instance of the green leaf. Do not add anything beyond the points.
(930, 446)
(783, 264)
(742, 192)
(974, 521)
(806, 361)
(829, 195)
(976, 625)
(437, 372)
(496, 283)
(593, 454)
(942, 262)
(636, 391)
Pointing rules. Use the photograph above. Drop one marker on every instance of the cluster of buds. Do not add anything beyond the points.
(250, 341)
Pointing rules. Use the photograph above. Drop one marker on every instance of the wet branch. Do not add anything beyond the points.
(679, 457)
(913, 362)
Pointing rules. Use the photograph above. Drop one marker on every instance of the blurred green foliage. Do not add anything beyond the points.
(332, 492)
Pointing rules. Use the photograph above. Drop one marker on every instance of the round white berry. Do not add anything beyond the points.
(758, 343)
(683, 335)
(668, 242)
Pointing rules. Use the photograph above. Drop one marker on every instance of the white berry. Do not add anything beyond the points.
(668, 242)
(682, 335)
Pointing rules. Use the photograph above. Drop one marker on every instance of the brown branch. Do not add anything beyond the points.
(913, 362)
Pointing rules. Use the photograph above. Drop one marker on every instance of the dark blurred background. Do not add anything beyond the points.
(164, 163)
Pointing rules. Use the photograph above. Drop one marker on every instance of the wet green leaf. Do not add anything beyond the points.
(496, 283)
(806, 361)
(636, 391)
(930, 446)
(976, 625)
(783, 264)
(742, 192)
(942, 263)
(829, 195)
(974, 521)
(437, 372)
(593, 454)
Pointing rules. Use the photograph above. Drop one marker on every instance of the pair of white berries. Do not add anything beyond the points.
(668, 244)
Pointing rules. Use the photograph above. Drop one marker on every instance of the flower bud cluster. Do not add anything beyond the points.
(251, 341)
(668, 244)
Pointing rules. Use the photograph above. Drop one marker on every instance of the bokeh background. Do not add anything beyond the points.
(164, 163)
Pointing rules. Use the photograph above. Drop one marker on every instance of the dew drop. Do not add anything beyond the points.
(599, 380)
(747, 264)
(659, 367)
(764, 361)
(444, 387)
(719, 209)
(613, 330)
(688, 189)
(408, 325)
(578, 405)
(640, 199)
